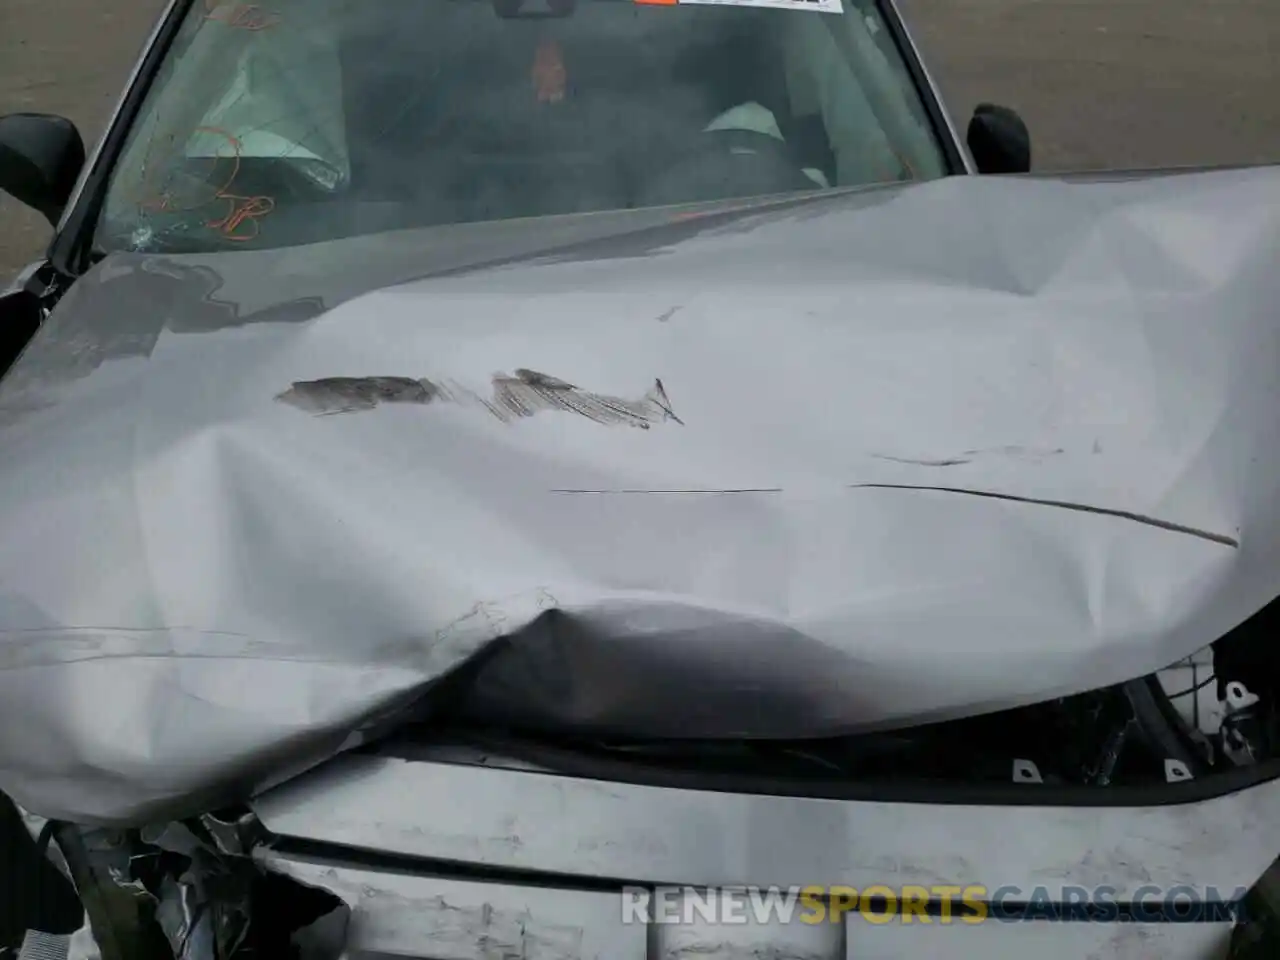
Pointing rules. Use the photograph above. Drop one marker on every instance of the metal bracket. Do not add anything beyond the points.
(1238, 697)
(1024, 771)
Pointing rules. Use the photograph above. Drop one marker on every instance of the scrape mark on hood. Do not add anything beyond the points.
(1018, 451)
(528, 392)
(349, 394)
(948, 462)
(511, 398)
(1209, 535)
(1013, 450)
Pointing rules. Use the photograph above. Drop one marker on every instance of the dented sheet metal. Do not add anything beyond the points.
(940, 449)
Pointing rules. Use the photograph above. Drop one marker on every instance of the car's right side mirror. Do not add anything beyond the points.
(999, 140)
(40, 160)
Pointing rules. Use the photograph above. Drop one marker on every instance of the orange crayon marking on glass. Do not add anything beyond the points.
(242, 220)
(158, 191)
(241, 223)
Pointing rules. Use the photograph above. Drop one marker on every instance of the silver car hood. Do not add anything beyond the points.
(796, 469)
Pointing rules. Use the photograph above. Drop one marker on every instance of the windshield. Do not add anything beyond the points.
(306, 120)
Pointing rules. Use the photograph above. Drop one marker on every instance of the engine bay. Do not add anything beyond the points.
(1211, 713)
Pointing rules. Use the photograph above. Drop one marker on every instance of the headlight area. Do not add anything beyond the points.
(1217, 710)
(184, 891)
(1202, 726)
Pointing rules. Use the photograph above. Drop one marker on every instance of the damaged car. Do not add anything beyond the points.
(477, 476)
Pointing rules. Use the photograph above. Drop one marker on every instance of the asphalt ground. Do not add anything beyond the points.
(1101, 83)
(1115, 83)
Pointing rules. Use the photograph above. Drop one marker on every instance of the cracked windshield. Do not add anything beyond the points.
(308, 120)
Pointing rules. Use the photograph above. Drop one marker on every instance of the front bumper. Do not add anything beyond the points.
(447, 860)
(433, 917)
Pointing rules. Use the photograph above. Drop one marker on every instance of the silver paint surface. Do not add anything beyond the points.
(571, 832)
(572, 827)
(204, 591)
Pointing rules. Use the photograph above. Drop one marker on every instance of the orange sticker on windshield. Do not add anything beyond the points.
(549, 73)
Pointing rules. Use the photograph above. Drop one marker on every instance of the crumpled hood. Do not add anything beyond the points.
(797, 470)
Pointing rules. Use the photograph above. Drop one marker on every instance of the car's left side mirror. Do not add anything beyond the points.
(40, 160)
(999, 140)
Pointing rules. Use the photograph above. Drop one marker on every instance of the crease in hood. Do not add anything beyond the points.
(784, 471)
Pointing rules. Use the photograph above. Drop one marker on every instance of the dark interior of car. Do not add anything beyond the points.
(454, 124)
(444, 123)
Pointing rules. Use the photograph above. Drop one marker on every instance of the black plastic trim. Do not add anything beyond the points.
(36, 896)
(928, 94)
(359, 858)
(560, 761)
(22, 307)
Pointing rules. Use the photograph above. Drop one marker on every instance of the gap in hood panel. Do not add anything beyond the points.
(1211, 720)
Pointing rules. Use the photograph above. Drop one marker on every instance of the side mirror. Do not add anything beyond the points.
(999, 140)
(40, 159)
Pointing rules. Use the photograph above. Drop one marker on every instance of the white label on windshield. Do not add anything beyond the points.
(818, 6)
